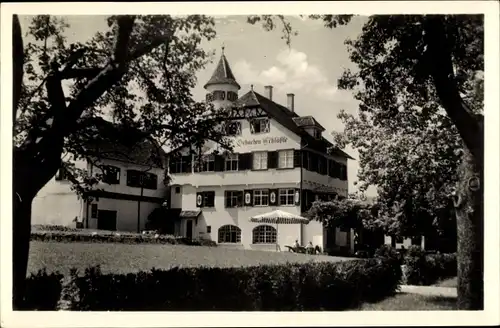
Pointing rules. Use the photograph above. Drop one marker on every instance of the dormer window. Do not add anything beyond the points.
(259, 125)
(317, 134)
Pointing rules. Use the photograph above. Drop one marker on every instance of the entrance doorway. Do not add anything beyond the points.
(189, 229)
(106, 220)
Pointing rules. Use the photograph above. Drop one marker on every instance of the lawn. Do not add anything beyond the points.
(452, 282)
(125, 258)
(412, 302)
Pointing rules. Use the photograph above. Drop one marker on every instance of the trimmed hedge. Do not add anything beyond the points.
(421, 268)
(288, 287)
(82, 235)
(426, 269)
(43, 291)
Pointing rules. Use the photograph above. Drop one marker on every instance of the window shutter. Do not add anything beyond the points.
(273, 197)
(305, 162)
(296, 197)
(199, 199)
(226, 194)
(248, 198)
(240, 198)
(252, 126)
(297, 158)
(219, 163)
(243, 161)
(272, 159)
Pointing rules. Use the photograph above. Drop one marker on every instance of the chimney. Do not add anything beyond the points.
(290, 102)
(269, 92)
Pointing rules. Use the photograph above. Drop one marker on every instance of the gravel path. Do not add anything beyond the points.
(429, 290)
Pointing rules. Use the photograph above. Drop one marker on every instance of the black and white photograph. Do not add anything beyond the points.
(176, 161)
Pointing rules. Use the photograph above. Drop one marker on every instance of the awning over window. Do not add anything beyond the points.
(190, 214)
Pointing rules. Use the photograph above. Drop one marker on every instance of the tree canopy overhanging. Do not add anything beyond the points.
(138, 75)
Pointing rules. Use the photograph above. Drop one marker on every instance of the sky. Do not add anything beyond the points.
(309, 68)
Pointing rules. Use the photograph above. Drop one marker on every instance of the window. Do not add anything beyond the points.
(233, 198)
(261, 197)
(233, 128)
(231, 162)
(177, 190)
(181, 165)
(343, 172)
(317, 133)
(285, 159)
(205, 199)
(259, 125)
(209, 229)
(232, 96)
(260, 160)
(142, 179)
(229, 234)
(111, 174)
(264, 234)
(287, 196)
(205, 163)
(218, 95)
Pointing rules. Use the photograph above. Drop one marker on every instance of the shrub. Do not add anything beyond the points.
(42, 291)
(386, 251)
(113, 237)
(426, 269)
(287, 287)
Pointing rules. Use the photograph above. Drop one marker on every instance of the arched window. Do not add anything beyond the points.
(264, 234)
(229, 234)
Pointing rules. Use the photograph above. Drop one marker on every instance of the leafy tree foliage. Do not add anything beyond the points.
(138, 73)
(420, 127)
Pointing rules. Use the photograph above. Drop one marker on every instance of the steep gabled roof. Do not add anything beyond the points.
(120, 143)
(222, 74)
(285, 117)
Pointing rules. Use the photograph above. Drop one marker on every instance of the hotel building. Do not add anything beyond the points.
(280, 161)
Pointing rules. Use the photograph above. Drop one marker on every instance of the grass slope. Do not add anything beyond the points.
(125, 258)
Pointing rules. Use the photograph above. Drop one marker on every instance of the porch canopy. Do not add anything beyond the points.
(279, 217)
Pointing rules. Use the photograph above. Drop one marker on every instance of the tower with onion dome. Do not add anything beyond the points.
(222, 88)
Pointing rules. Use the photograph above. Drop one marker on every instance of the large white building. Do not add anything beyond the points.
(280, 161)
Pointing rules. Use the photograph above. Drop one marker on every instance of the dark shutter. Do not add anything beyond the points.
(297, 158)
(248, 201)
(240, 198)
(305, 161)
(276, 197)
(296, 197)
(199, 199)
(219, 163)
(226, 194)
(272, 159)
(244, 160)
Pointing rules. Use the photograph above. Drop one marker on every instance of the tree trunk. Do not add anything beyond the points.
(470, 233)
(21, 232)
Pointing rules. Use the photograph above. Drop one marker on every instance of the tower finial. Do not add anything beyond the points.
(251, 86)
(223, 47)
